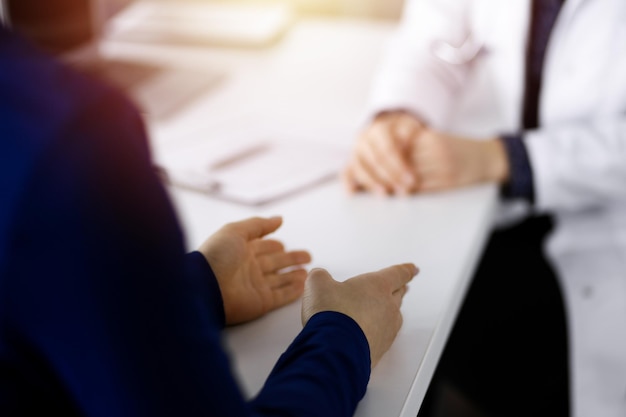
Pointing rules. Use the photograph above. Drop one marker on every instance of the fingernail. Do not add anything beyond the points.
(408, 179)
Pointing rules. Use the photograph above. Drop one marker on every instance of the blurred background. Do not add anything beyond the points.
(217, 79)
(379, 9)
(376, 9)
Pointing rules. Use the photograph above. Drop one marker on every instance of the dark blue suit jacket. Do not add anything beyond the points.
(101, 311)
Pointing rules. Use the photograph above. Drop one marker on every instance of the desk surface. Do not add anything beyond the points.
(316, 81)
(443, 234)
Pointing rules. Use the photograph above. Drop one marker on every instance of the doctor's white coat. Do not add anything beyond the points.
(459, 64)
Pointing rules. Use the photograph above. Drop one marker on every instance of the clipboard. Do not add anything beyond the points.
(252, 172)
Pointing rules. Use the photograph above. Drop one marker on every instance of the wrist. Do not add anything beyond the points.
(496, 165)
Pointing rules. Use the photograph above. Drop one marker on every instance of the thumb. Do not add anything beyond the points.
(317, 279)
(315, 288)
(257, 227)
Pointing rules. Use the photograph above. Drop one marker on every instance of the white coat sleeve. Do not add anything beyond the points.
(579, 166)
(411, 77)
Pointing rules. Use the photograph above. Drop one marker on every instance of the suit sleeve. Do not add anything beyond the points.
(329, 360)
(123, 324)
(520, 182)
(325, 370)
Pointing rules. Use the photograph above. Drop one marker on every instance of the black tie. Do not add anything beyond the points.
(544, 13)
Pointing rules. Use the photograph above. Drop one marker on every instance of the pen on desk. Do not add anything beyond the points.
(254, 149)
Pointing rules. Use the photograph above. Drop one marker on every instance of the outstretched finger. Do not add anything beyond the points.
(397, 276)
(266, 246)
(277, 261)
(287, 293)
(257, 227)
(282, 279)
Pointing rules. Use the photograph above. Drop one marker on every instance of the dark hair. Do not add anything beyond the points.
(55, 25)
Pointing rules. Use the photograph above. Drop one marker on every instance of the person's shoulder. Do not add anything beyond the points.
(41, 96)
(49, 111)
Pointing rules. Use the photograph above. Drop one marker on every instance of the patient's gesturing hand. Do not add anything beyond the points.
(373, 300)
(250, 269)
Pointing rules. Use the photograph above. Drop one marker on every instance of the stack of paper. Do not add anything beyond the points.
(251, 172)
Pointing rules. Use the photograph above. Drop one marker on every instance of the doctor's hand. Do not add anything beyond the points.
(373, 300)
(380, 161)
(444, 161)
(250, 269)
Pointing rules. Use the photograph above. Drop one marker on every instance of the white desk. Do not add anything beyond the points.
(316, 82)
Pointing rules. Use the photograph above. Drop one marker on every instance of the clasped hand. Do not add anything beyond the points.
(398, 154)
